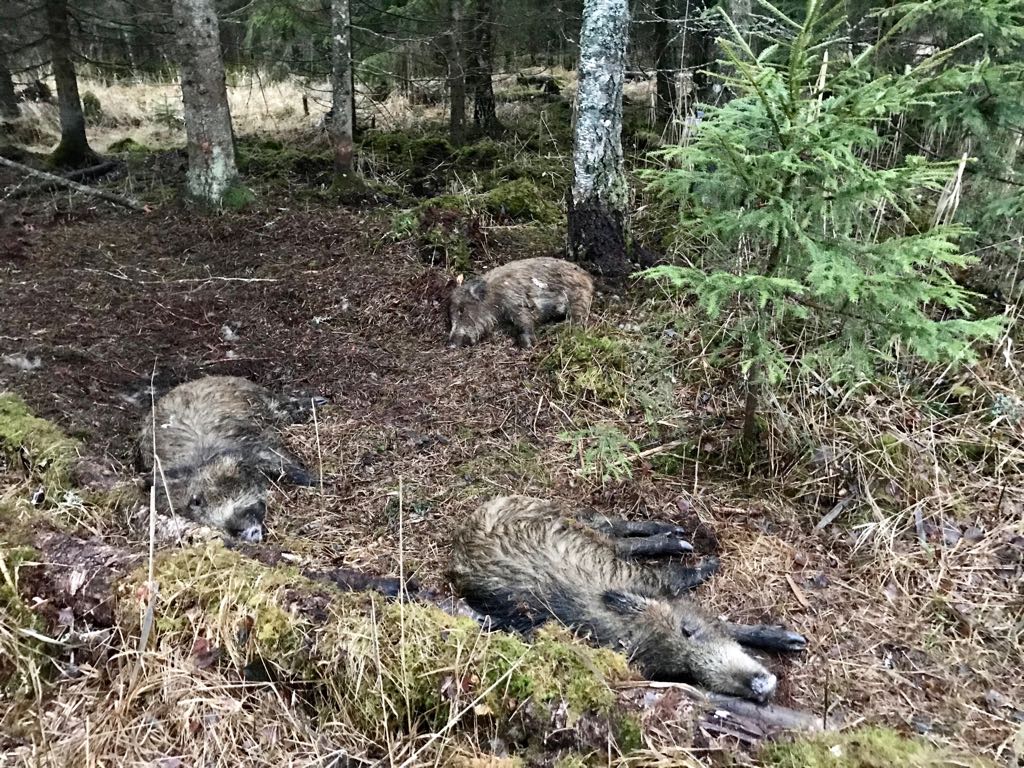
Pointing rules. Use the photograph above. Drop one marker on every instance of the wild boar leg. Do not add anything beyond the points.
(767, 637)
(614, 526)
(676, 579)
(277, 464)
(522, 322)
(661, 545)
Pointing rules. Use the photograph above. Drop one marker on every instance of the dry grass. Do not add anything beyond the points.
(911, 595)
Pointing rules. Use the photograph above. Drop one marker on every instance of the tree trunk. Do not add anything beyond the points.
(211, 148)
(73, 150)
(664, 59)
(479, 75)
(597, 204)
(341, 124)
(456, 74)
(8, 99)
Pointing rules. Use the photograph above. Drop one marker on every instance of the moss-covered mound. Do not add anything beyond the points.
(869, 747)
(36, 444)
(376, 665)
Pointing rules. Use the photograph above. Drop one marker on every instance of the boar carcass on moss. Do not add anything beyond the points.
(376, 664)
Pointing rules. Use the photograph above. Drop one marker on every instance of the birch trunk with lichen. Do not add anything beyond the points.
(211, 147)
(342, 124)
(597, 204)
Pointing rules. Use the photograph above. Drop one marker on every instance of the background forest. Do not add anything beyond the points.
(806, 222)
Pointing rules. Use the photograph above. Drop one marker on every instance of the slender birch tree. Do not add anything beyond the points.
(597, 204)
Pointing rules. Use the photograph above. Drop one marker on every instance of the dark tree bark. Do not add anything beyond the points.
(456, 74)
(597, 203)
(343, 94)
(479, 74)
(211, 147)
(74, 149)
(664, 57)
(8, 99)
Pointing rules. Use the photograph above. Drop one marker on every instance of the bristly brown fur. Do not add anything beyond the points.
(518, 297)
(523, 561)
(219, 445)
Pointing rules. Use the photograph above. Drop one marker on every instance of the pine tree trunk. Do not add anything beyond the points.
(479, 75)
(8, 99)
(73, 150)
(456, 74)
(211, 148)
(341, 125)
(664, 58)
(597, 203)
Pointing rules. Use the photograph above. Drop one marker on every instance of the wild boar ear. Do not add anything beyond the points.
(459, 279)
(691, 626)
(477, 289)
(625, 603)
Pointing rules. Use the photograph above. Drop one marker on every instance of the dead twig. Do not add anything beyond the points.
(60, 181)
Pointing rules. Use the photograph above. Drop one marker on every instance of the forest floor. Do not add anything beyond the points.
(915, 628)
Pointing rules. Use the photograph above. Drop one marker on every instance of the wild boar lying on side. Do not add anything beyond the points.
(518, 297)
(523, 561)
(219, 446)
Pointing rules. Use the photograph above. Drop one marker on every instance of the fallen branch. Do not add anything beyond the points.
(60, 181)
(92, 172)
(738, 717)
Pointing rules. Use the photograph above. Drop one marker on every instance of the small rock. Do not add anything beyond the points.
(22, 362)
(950, 534)
(818, 581)
(228, 333)
(995, 700)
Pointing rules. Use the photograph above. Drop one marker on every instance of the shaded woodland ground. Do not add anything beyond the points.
(911, 596)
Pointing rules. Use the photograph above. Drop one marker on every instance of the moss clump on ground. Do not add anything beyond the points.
(237, 197)
(550, 173)
(373, 664)
(870, 747)
(611, 367)
(481, 154)
(520, 200)
(128, 145)
(92, 110)
(272, 161)
(42, 448)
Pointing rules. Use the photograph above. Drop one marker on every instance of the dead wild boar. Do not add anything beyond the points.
(219, 445)
(523, 561)
(518, 297)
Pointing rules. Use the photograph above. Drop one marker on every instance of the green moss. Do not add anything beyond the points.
(629, 734)
(371, 663)
(237, 197)
(91, 107)
(26, 439)
(614, 368)
(549, 172)
(128, 145)
(271, 161)
(484, 153)
(870, 747)
(520, 200)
